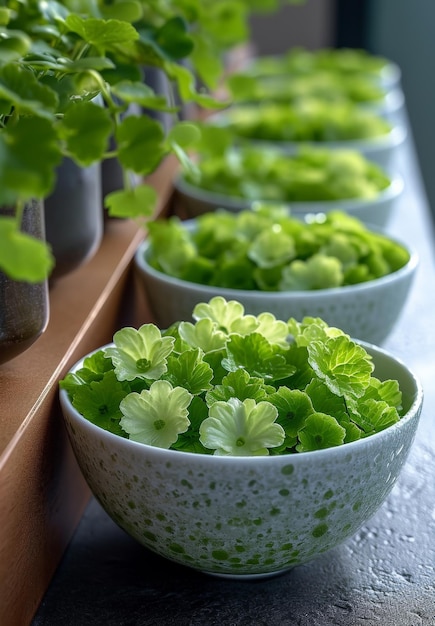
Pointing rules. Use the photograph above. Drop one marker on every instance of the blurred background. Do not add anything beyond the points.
(397, 29)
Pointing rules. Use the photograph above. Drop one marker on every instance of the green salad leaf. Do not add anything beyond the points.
(208, 388)
(310, 119)
(157, 415)
(311, 174)
(269, 250)
(241, 428)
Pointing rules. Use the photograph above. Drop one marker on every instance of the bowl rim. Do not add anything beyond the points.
(141, 263)
(413, 412)
(391, 192)
(393, 138)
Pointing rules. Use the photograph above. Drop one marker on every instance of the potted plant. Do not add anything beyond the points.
(240, 445)
(56, 59)
(48, 87)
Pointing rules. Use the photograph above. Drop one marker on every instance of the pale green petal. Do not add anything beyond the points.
(140, 353)
(244, 325)
(204, 334)
(221, 311)
(156, 416)
(275, 331)
(241, 428)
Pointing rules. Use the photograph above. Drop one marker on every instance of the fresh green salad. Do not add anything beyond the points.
(235, 384)
(269, 250)
(326, 85)
(310, 175)
(309, 119)
(299, 61)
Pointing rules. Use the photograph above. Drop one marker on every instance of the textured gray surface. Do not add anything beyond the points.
(384, 575)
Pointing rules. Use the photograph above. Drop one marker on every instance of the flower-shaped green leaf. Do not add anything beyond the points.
(275, 331)
(317, 272)
(311, 329)
(387, 390)
(140, 353)
(241, 428)
(224, 313)
(99, 402)
(188, 370)
(294, 406)
(171, 247)
(375, 415)
(260, 358)
(323, 399)
(156, 416)
(272, 247)
(320, 431)
(342, 364)
(239, 385)
(204, 334)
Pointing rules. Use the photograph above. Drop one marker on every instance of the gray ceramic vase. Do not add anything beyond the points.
(74, 216)
(24, 307)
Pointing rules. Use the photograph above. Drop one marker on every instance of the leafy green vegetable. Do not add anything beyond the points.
(241, 428)
(229, 384)
(310, 120)
(268, 250)
(268, 174)
(157, 415)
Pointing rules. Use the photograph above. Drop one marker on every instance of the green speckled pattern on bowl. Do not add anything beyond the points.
(245, 516)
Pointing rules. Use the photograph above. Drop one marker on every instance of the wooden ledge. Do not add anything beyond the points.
(42, 492)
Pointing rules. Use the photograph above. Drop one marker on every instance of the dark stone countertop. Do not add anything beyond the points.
(384, 575)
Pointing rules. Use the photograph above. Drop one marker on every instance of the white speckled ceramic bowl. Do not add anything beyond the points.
(366, 311)
(245, 517)
(378, 211)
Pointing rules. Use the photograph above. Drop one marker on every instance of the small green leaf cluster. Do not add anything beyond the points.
(308, 119)
(267, 249)
(235, 384)
(310, 175)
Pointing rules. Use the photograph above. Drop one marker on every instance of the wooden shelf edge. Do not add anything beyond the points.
(42, 491)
